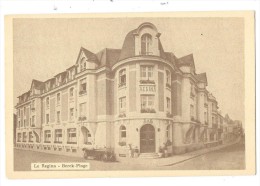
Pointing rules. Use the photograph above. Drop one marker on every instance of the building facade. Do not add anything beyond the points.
(139, 96)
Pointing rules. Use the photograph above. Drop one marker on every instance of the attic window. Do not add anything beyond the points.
(83, 64)
(146, 43)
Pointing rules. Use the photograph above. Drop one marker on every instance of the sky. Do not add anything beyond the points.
(44, 47)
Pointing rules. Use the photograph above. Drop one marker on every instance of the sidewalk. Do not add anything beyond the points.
(175, 159)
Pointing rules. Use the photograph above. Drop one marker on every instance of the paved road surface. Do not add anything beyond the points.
(228, 158)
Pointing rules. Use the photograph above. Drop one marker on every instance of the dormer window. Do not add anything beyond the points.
(146, 44)
(83, 64)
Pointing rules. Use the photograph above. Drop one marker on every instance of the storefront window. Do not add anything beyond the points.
(58, 136)
(122, 135)
(72, 136)
(47, 136)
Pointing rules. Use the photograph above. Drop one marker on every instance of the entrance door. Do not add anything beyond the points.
(147, 139)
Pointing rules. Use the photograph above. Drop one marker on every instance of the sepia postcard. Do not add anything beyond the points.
(130, 94)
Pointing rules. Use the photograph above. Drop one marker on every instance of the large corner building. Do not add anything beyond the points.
(139, 96)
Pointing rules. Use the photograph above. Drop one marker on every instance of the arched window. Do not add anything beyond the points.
(122, 135)
(146, 43)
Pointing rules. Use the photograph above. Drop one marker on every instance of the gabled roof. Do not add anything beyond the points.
(171, 57)
(91, 56)
(186, 61)
(202, 77)
(37, 84)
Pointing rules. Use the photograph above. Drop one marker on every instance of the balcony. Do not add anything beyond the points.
(147, 81)
(169, 115)
(121, 85)
(82, 92)
(148, 110)
(82, 118)
(122, 115)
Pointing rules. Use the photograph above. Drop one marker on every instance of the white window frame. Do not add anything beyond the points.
(71, 139)
(58, 136)
(146, 42)
(47, 136)
(146, 101)
(147, 72)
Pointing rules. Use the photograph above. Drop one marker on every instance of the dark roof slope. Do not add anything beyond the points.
(186, 60)
(38, 84)
(108, 57)
(128, 48)
(91, 56)
(202, 77)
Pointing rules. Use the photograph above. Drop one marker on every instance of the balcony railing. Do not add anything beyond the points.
(122, 115)
(169, 115)
(147, 81)
(121, 85)
(82, 92)
(82, 118)
(148, 110)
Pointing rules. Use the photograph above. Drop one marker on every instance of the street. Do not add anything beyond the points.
(227, 158)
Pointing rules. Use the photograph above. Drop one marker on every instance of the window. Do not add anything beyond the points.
(146, 43)
(82, 109)
(146, 73)
(72, 136)
(47, 136)
(19, 137)
(24, 111)
(71, 92)
(122, 77)
(24, 136)
(168, 104)
(192, 112)
(19, 124)
(58, 116)
(83, 86)
(83, 64)
(58, 99)
(58, 136)
(47, 102)
(168, 77)
(122, 104)
(33, 121)
(47, 118)
(205, 117)
(19, 112)
(122, 135)
(147, 103)
(71, 114)
(30, 137)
